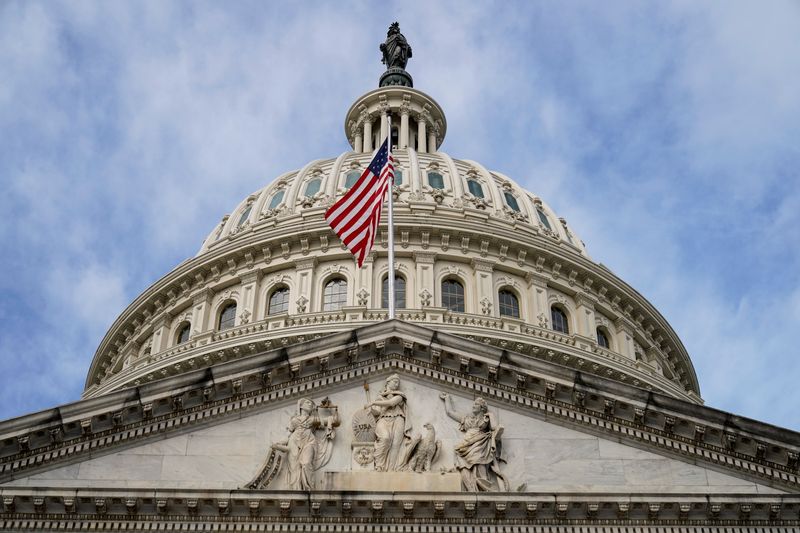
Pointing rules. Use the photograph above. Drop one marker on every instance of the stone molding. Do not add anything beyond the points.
(243, 510)
(757, 451)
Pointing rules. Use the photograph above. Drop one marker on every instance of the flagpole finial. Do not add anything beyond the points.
(396, 53)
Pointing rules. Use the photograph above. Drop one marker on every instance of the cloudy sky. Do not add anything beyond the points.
(668, 135)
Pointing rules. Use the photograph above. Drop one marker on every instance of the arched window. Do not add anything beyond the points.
(278, 301)
(312, 187)
(277, 198)
(559, 318)
(183, 333)
(435, 180)
(475, 188)
(511, 201)
(453, 295)
(399, 292)
(227, 318)
(398, 176)
(245, 215)
(543, 219)
(351, 179)
(509, 304)
(334, 296)
(602, 339)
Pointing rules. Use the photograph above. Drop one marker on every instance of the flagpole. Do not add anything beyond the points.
(391, 224)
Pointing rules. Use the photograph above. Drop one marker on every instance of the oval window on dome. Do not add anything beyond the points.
(312, 187)
(543, 219)
(277, 198)
(475, 188)
(245, 215)
(351, 179)
(435, 180)
(511, 201)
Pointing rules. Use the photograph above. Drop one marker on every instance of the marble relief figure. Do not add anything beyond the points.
(304, 451)
(478, 455)
(392, 427)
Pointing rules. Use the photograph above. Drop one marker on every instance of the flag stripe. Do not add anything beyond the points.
(356, 216)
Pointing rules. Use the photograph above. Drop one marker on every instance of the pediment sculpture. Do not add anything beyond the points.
(478, 455)
(305, 451)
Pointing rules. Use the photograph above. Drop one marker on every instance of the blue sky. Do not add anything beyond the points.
(668, 135)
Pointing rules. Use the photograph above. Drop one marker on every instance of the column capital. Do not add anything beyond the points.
(424, 257)
(305, 264)
(536, 279)
(203, 296)
(250, 277)
(583, 299)
(482, 265)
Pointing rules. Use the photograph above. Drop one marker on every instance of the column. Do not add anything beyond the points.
(368, 134)
(364, 281)
(201, 311)
(422, 290)
(421, 135)
(404, 127)
(625, 338)
(585, 309)
(431, 142)
(304, 298)
(484, 288)
(160, 333)
(249, 289)
(537, 294)
(384, 126)
(358, 144)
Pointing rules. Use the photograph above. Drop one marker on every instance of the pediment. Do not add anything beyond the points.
(213, 429)
(537, 455)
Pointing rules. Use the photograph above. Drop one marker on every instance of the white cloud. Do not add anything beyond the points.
(664, 136)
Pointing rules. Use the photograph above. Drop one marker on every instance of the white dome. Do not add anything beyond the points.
(478, 256)
(497, 200)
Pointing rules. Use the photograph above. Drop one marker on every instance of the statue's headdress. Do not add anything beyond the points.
(482, 404)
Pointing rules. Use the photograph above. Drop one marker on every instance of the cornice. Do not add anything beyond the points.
(592, 404)
(244, 510)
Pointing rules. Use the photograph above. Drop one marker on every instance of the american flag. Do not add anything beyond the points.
(356, 216)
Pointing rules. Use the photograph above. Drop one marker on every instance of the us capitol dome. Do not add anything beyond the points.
(477, 256)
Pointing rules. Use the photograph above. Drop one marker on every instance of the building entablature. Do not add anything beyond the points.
(207, 510)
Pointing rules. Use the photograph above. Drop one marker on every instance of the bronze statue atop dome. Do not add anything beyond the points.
(396, 52)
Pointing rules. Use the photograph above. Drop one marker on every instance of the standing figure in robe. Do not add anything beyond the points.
(304, 452)
(392, 427)
(396, 49)
(477, 457)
